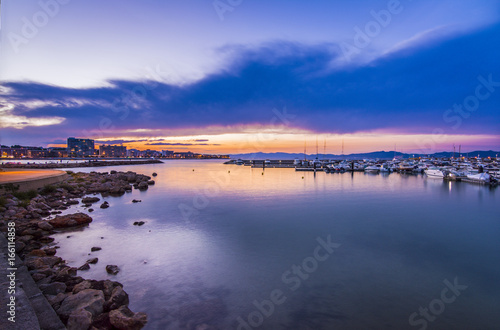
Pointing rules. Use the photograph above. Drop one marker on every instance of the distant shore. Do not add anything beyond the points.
(89, 163)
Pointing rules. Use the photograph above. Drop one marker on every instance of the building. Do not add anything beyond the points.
(112, 151)
(80, 147)
(13, 152)
(167, 153)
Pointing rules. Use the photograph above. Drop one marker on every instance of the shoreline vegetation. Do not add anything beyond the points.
(80, 303)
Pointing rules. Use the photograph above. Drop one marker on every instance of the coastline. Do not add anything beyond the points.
(90, 163)
(29, 219)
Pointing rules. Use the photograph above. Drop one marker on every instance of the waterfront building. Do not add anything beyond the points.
(80, 147)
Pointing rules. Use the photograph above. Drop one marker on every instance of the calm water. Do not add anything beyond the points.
(215, 242)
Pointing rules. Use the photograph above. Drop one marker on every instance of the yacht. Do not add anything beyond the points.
(434, 172)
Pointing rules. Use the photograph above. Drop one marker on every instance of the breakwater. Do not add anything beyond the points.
(90, 163)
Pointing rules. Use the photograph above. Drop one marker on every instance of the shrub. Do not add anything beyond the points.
(47, 189)
(25, 195)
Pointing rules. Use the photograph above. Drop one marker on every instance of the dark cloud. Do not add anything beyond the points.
(409, 90)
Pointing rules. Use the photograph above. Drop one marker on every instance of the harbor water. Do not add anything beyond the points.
(235, 247)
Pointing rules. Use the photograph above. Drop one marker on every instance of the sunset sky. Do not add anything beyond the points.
(242, 76)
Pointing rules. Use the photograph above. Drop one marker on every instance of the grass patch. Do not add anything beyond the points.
(26, 195)
(48, 189)
(66, 186)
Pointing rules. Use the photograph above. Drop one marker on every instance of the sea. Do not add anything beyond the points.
(234, 247)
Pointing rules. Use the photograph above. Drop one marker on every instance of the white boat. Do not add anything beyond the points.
(482, 177)
(373, 168)
(434, 172)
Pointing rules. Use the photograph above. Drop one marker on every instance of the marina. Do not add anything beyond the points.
(472, 170)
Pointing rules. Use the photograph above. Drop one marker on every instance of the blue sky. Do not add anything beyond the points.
(182, 71)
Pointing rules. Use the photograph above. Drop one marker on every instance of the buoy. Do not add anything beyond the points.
(262, 173)
(302, 177)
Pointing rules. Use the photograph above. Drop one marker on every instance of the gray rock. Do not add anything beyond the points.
(85, 266)
(112, 269)
(45, 226)
(95, 248)
(124, 318)
(80, 319)
(93, 261)
(53, 288)
(88, 299)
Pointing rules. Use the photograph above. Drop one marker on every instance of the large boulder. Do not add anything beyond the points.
(124, 318)
(70, 220)
(81, 319)
(90, 200)
(88, 299)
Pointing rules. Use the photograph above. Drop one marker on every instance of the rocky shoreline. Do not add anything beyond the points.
(79, 303)
(90, 163)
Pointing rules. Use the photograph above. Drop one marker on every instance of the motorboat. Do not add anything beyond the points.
(481, 177)
(434, 172)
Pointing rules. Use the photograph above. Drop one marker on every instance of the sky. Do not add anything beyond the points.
(237, 76)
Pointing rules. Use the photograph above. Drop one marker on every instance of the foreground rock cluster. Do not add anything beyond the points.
(80, 303)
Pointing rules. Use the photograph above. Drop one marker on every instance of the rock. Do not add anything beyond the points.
(85, 266)
(131, 177)
(38, 253)
(80, 319)
(93, 261)
(38, 276)
(50, 251)
(70, 220)
(88, 299)
(44, 225)
(151, 182)
(87, 284)
(154, 174)
(72, 202)
(104, 205)
(124, 318)
(55, 301)
(90, 200)
(118, 298)
(53, 288)
(95, 248)
(136, 201)
(112, 269)
(117, 191)
(143, 185)
(91, 210)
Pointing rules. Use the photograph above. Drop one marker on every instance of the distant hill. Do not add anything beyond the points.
(374, 155)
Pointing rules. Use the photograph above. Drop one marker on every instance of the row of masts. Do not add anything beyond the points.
(324, 149)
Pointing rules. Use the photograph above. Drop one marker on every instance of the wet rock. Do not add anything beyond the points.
(53, 288)
(88, 299)
(93, 261)
(91, 210)
(44, 225)
(124, 318)
(80, 319)
(90, 200)
(138, 223)
(104, 205)
(38, 276)
(95, 248)
(56, 300)
(50, 251)
(70, 220)
(151, 182)
(154, 174)
(38, 253)
(136, 201)
(85, 266)
(118, 298)
(143, 185)
(112, 269)
(72, 202)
